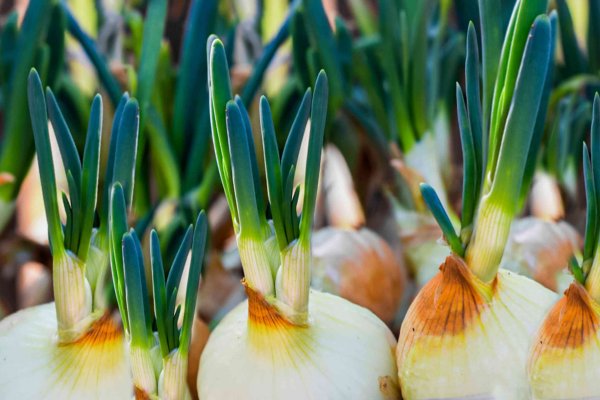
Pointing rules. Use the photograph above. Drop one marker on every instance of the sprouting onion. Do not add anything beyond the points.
(285, 341)
(468, 331)
(159, 360)
(565, 356)
(349, 259)
(72, 348)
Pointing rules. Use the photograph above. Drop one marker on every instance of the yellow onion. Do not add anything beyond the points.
(565, 356)
(343, 352)
(546, 199)
(358, 266)
(286, 341)
(36, 364)
(464, 338)
(541, 250)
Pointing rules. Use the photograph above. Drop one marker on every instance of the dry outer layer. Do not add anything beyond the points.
(358, 266)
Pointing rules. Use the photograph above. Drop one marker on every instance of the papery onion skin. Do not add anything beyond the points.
(344, 352)
(34, 365)
(358, 266)
(565, 356)
(463, 338)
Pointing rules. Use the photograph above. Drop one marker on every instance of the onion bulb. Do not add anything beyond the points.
(468, 332)
(463, 337)
(541, 250)
(72, 348)
(285, 341)
(564, 361)
(359, 266)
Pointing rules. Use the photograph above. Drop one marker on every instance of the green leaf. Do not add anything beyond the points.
(66, 145)
(159, 292)
(321, 35)
(295, 135)
(219, 94)
(437, 209)
(192, 74)
(39, 123)
(591, 216)
(134, 282)
(593, 35)
(318, 114)
(198, 249)
(520, 123)
(89, 178)
(178, 265)
(474, 103)
(17, 141)
(118, 228)
(471, 172)
(267, 56)
(89, 46)
(520, 27)
(154, 26)
(273, 171)
(125, 149)
(245, 196)
(110, 163)
(260, 202)
(574, 60)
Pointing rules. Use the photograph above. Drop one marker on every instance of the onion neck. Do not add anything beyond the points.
(172, 384)
(592, 282)
(485, 251)
(142, 370)
(256, 263)
(73, 296)
(293, 281)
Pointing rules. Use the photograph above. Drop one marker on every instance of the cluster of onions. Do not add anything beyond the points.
(564, 361)
(159, 360)
(285, 341)
(468, 332)
(73, 348)
(349, 259)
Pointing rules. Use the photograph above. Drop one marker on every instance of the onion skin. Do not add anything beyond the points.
(464, 338)
(344, 352)
(565, 357)
(33, 364)
(358, 266)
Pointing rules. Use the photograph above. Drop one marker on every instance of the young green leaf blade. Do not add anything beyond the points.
(39, 123)
(243, 181)
(66, 145)
(134, 280)
(159, 292)
(110, 163)
(471, 173)
(126, 149)
(591, 215)
(260, 202)
(198, 249)
(474, 102)
(89, 178)
(117, 229)
(520, 122)
(179, 262)
(437, 209)
(318, 115)
(273, 171)
(294, 139)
